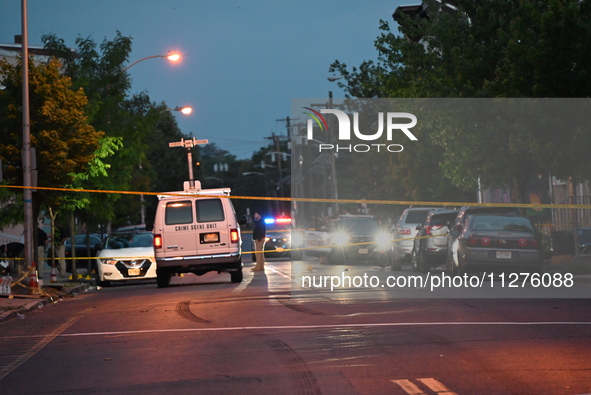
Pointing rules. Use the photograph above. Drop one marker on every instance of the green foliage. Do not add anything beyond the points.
(60, 132)
(484, 49)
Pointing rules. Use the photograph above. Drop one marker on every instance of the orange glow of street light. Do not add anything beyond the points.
(185, 110)
(174, 57)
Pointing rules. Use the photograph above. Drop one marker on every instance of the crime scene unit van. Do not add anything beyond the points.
(196, 231)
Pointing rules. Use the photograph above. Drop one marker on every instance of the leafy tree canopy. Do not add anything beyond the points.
(485, 49)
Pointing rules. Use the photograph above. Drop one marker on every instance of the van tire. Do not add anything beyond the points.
(237, 276)
(163, 277)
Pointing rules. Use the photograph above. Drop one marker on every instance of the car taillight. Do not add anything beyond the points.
(157, 241)
(485, 241)
(524, 242)
(403, 231)
(432, 227)
(234, 236)
(472, 240)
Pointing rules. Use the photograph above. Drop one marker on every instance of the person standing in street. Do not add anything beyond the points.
(258, 234)
(42, 241)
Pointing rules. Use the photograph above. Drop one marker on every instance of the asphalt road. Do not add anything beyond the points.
(270, 335)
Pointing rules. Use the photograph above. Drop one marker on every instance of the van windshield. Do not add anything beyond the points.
(209, 210)
(178, 213)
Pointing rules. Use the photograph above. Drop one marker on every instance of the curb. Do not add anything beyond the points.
(29, 305)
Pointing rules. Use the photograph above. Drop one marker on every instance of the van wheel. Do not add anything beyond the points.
(236, 277)
(163, 277)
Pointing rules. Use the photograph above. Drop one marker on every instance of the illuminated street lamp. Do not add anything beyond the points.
(185, 110)
(173, 57)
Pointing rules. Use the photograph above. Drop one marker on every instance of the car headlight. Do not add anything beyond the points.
(297, 239)
(340, 238)
(109, 261)
(383, 240)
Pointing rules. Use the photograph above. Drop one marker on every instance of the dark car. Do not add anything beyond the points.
(359, 238)
(491, 242)
(458, 224)
(430, 246)
(84, 249)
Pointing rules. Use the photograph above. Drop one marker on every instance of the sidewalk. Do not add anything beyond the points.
(21, 301)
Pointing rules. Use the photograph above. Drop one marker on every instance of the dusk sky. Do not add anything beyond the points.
(243, 61)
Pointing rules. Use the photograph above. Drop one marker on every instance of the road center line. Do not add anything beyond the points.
(327, 326)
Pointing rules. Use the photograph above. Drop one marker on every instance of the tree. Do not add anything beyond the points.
(487, 49)
(144, 162)
(65, 142)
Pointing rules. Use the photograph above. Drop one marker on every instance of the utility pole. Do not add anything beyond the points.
(332, 160)
(276, 151)
(27, 175)
(287, 121)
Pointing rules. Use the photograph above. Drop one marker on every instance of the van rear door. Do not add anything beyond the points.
(213, 234)
(178, 234)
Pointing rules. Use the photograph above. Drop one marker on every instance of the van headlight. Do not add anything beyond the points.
(340, 238)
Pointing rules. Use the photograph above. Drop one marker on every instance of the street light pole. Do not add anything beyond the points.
(27, 176)
(173, 57)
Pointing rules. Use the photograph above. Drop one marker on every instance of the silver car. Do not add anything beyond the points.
(430, 246)
(404, 232)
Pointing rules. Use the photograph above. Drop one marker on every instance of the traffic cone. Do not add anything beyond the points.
(53, 275)
(33, 283)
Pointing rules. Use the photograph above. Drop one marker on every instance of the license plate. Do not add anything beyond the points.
(363, 251)
(133, 272)
(503, 254)
(279, 249)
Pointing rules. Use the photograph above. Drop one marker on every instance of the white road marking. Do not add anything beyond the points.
(312, 327)
(42, 343)
(436, 386)
(409, 387)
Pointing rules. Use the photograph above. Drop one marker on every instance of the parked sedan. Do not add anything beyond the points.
(126, 256)
(498, 243)
(462, 217)
(430, 246)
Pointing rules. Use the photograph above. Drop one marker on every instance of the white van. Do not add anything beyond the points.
(196, 231)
